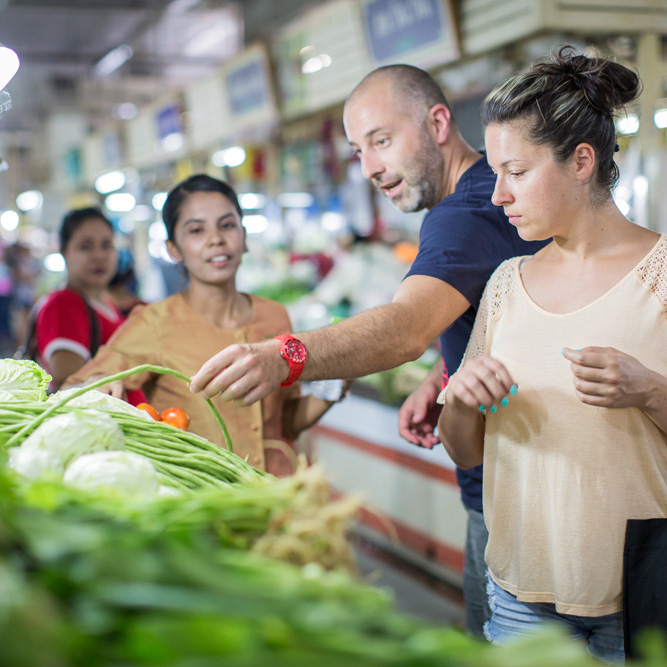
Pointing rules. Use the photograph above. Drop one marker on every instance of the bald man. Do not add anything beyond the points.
(399, 124)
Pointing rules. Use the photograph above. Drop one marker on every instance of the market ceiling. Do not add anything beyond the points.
(61, 45)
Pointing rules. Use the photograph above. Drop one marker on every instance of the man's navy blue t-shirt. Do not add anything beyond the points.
(462, 241)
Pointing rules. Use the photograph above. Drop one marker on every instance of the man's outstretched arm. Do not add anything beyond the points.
(372, 341)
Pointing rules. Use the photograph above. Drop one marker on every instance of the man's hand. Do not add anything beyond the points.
(419, 413)
(243, 373)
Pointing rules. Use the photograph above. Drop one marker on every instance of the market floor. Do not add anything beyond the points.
(417, 594)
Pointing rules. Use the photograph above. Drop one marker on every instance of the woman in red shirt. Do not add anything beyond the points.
(73, 322)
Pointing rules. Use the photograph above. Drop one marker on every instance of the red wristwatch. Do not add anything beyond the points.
(293, 351)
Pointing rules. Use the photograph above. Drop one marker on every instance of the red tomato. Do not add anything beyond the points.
(147, 407)
(176, 417)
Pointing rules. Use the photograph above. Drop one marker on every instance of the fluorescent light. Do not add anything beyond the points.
(158, 200)
(251, 201)
(54, 262)
(113, 60)
(125, 111)
(229, 157)
(9, 65)
(120, 202)
(143, 213)
(628, 124)
(214, 37)
(333, 221)
(316, 63)
(126, 224)
(29, 200)
(112, 180)
(178, 7)
(640, 186)
(9, 220)
(295, 199)
(623, 206)
(172, 142)
(255, 224)
(660, 118)
(157, 232)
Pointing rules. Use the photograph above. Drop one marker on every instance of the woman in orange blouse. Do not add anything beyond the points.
(205, 233)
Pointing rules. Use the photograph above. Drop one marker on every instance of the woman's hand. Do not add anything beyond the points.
(115, 389)
(481, 384)
(607, 378)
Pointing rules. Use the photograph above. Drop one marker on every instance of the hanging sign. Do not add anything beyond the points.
(397, 27)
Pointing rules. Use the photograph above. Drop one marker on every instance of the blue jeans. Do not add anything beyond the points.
(511, 619)
(477, 611)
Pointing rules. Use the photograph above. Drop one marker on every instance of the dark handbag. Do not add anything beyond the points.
(29, 348)
(644, 580)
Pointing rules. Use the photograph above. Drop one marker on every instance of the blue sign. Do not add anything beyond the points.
(248, 88)
(168, 121)
(397, 26)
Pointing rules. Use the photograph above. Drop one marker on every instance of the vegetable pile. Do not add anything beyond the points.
(51, 433)
(126, 541)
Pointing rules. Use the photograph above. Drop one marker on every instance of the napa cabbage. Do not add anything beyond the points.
(22, 380)
(54, 444)
(123, 473)
(99, 401)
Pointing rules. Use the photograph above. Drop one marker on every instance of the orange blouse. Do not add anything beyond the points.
(169, 333)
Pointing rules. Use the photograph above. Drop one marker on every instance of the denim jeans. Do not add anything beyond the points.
(475, 597)
(511, 619)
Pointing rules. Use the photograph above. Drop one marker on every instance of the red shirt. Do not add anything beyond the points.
(63, 323)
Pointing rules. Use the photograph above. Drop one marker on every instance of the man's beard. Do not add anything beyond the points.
(421, 179)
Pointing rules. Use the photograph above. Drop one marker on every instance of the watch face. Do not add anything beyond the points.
(296, 351)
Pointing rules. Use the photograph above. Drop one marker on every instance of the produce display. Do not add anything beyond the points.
(126, 541)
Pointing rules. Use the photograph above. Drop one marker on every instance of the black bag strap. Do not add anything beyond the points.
(29, 348)
(94, 328)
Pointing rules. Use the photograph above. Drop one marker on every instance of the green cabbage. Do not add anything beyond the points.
(99, 401)
(125, 473)
(23, 380)
(53, 445)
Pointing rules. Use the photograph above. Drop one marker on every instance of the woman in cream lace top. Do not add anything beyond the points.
(562, 392)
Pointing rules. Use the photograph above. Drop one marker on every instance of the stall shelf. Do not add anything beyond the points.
(412, 506)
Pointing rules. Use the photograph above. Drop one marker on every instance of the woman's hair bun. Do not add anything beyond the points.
(606, 85)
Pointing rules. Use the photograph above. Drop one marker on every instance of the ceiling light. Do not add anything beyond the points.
(660, 118)
(55, 262)
(255, 224)
(158, 200)
(229, 157)
(9, 220)
(316, 63)
(628, 124)
(113, 60)
(29, 200)
(252, 201)
(222, 34)
(9, 65)
(125, 111)
(120, 202)
(178, 7)
(157, 232)
(173, 142)
(112, 180)
(295, 199)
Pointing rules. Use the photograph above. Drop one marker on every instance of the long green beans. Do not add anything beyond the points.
(183, 460)
(144, 368)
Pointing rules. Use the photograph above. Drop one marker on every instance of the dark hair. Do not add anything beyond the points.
(568, 99)
(72, 220)
(412, 85)
(196, 183)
